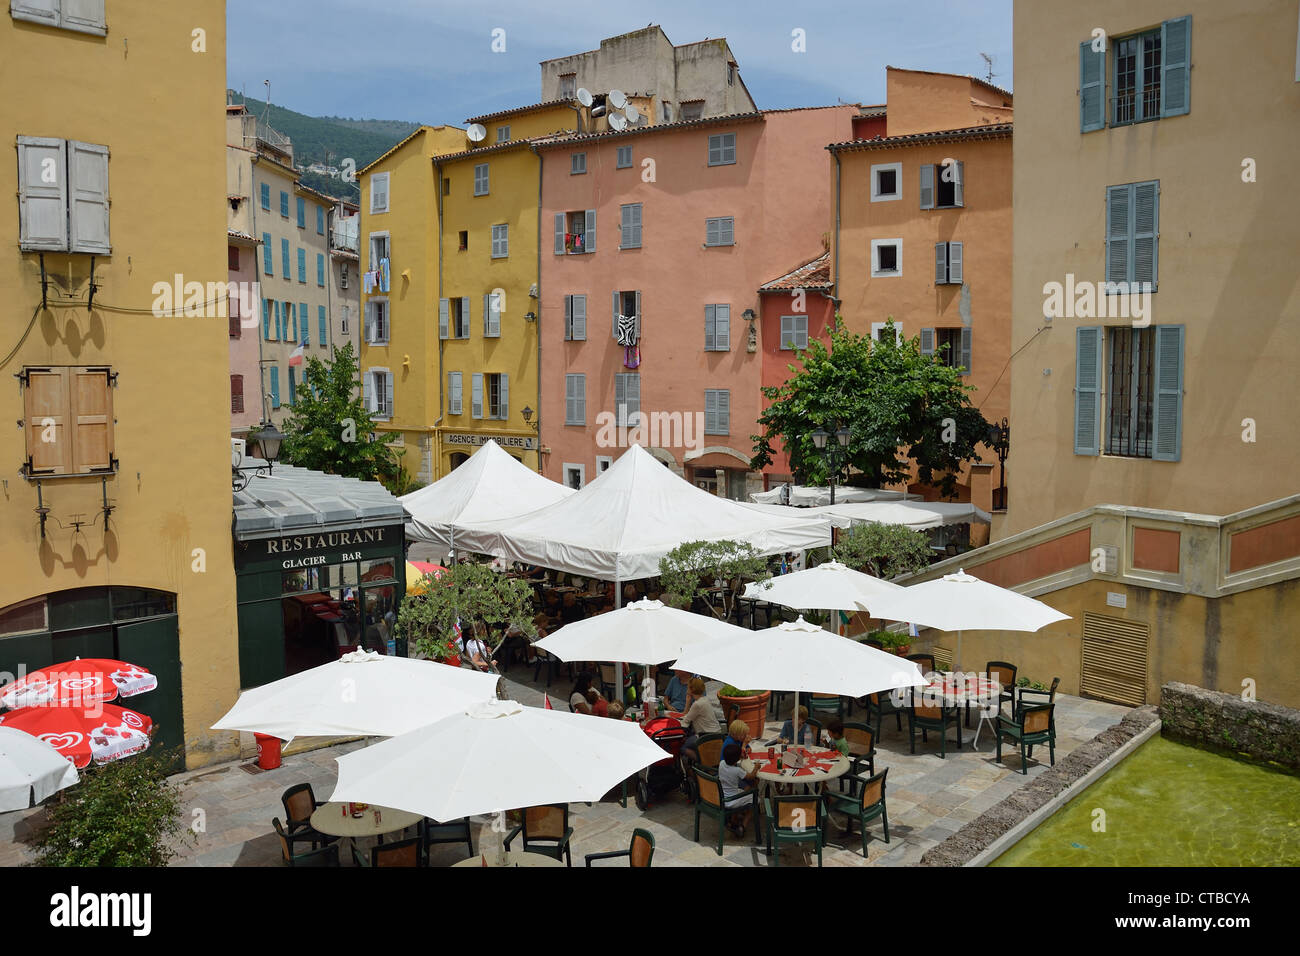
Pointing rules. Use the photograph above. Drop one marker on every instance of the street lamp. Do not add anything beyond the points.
(834, 453)
(999, 440)
(263, 443)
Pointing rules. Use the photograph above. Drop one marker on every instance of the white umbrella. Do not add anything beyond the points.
(831, 587)
(30, 770)
(960, 602)
(361, 693)
(643, 632)
(799, 656)
(495, 755)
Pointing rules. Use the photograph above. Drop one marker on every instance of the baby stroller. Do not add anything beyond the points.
(666, 775)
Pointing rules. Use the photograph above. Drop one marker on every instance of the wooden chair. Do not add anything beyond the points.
(432, 832)
(1033, 725)
(709, 747)
(403, 853)
(795, 819)
(709, 802)
(925, 718)
(299, 803)
(862, 750)
(1004, 674)
(546, 830)
(324, 856)
(640, 850)
(864, 804)
(923, 661)
(1028, 696)
(879, 705)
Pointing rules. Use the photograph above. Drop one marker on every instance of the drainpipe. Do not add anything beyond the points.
(537, 325)
(436, 453)
(835, 281)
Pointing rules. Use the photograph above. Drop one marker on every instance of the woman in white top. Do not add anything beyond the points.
(480, 658)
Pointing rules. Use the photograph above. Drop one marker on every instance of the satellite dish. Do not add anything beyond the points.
(476, 133)
(584, 96)
(617, 99)
(617, 121)
(631, 113)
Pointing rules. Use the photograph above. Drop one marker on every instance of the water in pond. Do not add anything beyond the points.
(1169, 804)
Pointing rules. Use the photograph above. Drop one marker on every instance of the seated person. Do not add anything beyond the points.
(675, 695)
(578, 699)
(737, 790)
(698, 718)
(787, 729)
(835, 735)
(570, 609)
(475, 651)
(615, 710)
(737, 733)
(599, 706)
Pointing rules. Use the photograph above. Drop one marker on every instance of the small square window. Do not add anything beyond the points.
(886, 182)
(886, 257)
(720, 232)
(577, 164)
(624, 157)
(722, 149)
(503, 134)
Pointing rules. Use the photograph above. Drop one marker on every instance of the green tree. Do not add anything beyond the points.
(329, 428)
(124, 813)
(885, 550)
(471, 593)
(689, 571)
(900, 407)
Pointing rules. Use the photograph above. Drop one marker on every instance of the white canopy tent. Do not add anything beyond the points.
(804, 496)
(491, 485)
(917, 515)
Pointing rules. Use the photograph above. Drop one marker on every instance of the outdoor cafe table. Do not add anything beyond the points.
(513, 858)
(331, 819)
(949, 690)
(826, 764)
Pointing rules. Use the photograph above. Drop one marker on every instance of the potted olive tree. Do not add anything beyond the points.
(467, 596)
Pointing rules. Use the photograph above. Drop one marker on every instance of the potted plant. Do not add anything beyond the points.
(747, 705)
(896, 642)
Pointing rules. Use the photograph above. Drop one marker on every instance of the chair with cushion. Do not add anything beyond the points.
(1004, 674)
(1033, 725)
(925, 717)
(880, 704)
(795, 819)
(402, 853)
(299, 803)
(457, 831)
(862, 750)
(640, 850)
(814, 731)
(864, 802)
(709, 802)
(923, 661)
(546, 830)
(709, 747)
(325, 856)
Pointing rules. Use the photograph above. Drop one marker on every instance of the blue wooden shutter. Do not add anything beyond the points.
(284, 257)
(444, 320)
(322, 324)
(320, 220)
(476, 395)
(559, 233)
(1146, 232)
(1167, 410)
(1175, 66)
(284, 204)
(1119, 236)
(302, 219)
(266, 320)
(1092, 88)
(268, 255)
(320, 269)
(304, 325)
(266, 196)
(293, 382)
(927, 186)
(1087, 390)
(278, 327)
(275, 386)
(302, 265)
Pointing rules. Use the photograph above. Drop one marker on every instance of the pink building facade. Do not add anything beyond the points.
(245, 395)
(655, 243)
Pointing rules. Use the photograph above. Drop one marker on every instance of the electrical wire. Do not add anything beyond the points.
(1008, 365)
(23, 338)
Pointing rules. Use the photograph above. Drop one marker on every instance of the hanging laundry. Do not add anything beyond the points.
(383, 275)
(632, 357)
(367, 282)
(626, 332)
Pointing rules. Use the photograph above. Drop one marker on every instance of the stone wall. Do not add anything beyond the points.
(1268, 733)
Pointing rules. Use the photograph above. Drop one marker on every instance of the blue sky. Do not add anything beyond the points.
(430, 61)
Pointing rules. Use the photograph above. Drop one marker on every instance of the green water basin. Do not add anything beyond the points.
(1169, 804)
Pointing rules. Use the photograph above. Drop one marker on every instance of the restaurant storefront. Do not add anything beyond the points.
(319, 571)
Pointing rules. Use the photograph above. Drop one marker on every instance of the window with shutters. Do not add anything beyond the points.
(630, 237)
(379, 193)
(1132, 236)
(625, 317)
(481, 179)
(381, 393)
(575, 399)
(302, 212)
(377, 321)
(794, 332)
(320, 269)
(68, 420)
(496, 392)
(455, 393)
(717, 411)
(627, 399)
(1149, 75)
(83, 16)
(624, 159)
(266, 196)
(886, 258)
(720, 232)
(576, 232)
(500, 241)
(577, 164)
(1130, 378)
(63, 200)
(302, 265)
(886, 182)
(947, 345)
(717, 328)
(379, 248)
(503, 134)
(722, 149)
(284, 204)
(948, 258)
(236, 394)
(232, 258)
(459, 312)
(1143, 386)
(575, 318)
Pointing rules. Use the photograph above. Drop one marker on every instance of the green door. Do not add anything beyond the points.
(155, 644)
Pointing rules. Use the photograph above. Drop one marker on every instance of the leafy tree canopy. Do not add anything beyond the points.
(688, 572)
(472, 593)
(885, 550)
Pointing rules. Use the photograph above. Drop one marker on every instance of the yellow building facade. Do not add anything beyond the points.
(115, 511)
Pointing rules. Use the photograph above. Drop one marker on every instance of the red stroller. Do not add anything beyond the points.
(665, 775)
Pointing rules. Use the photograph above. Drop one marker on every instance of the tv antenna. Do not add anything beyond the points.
(266, 110)
(988, 63)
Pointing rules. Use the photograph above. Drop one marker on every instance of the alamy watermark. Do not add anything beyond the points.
(213, 300)
(650, 429)
(1098, 300)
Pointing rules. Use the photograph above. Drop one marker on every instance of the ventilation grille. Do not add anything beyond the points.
(942, 658)
(1114, 660)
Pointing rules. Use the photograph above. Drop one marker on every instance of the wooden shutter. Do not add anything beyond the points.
(275, 304)
(959, 184)
(1087, 390)
(367, 392)
(710, 320)
(232, 314)
(503, 397)
(494, 324)
(275, 386)
(636, 225)
(88, 198)
(454, 394)
(1119, 236)
(637, 305)
(1167, 410)
(1114, 659)
(632, 394)
(236, 394)
(712, 229)
(464, 316)
(293, 384)
(722, 411)
(476, 395)
(444, 320)
(268, 255)
(727, 231)
(301, 210)
(568, 318)
(390, 397)
(303, 335)
(322, 324)
(487, 315)
(620, 398)
(1092, 88)
(940, 263)
(559, 233)
(589, 240)
(46, 406)
(927, 186)
(37, 11)
(955, 253)
(1175, 66)
(320, 269)
(284, 256)
(722, 327)
(580, 317)
(266, 319)
(617, 305)
(927, 341)
(320, 220)
(42, 206)
(1146, 231)
(710, 411)
(964, 357)
(369, 330)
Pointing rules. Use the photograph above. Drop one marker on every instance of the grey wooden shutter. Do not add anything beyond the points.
(367, 396)
(464, 316)
(620, 398)
(88, 197)
(633, 395)
(637, 296)
(453, 393)
(589, 240)
(959, 185)
(391, 398)
(712, 229)
(964, 358)
(787, 332)
(487, 315)
(42, 206)
(491, 316)
(801, 331)
(710, 411)
(476, 395)
(927, 186)
(1092, 88)
(580, 317)
(1175, 66)
(1167, 410)
(722, 327)
(955, 252)
(37, 11)
(1146, 230)
(940, 263)
(1087, 390)
(927, 341)
(615, 309)
(568, 318)
(503, 397)
(727, 232)
(370, 323)
(723, 411)
(1118, 234)
(636, 225)
(559, 233)
(710, 318)
(580, 396)
(444, 319)
(568, 400)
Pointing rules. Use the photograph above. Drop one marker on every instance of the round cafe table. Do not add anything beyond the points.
(513, 858)
(825, 764)
(947, 689)
(329, 819)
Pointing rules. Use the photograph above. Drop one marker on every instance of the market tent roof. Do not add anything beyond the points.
(490, 485)
(299, 499)
(805, 496)
(917, 515)
(623, 522)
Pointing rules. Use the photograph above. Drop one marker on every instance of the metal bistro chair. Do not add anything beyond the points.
(709, 801)
(1033, 725)
(864, 805)
(325, 856)
(862, 750)
(1004, 674)
(1027, 696)
(925, 718)
(548, 824)
(403, 853)
(640, 850)
(432, 832)
(299, 803)
(795, 819)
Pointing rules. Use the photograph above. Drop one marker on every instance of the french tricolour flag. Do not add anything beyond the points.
(295, 357)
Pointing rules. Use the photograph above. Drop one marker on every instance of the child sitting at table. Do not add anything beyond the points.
(599, 706)
(615, 710)
(735, 793)
(835, 734)
(787, 729)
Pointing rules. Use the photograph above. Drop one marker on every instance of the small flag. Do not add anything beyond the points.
(295, 357)
(911, 629)
(483, 858)
(547, 699)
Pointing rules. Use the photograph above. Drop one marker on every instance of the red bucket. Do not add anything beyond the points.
(268, 751)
